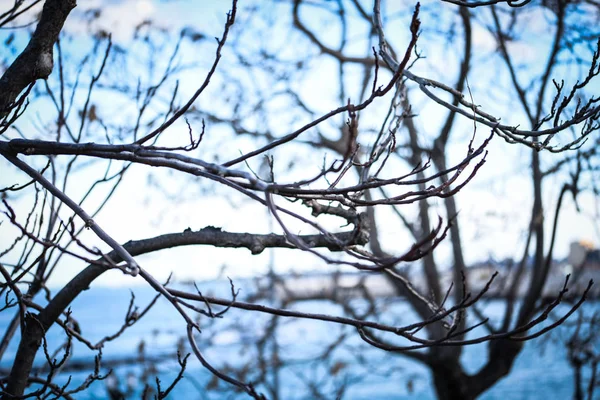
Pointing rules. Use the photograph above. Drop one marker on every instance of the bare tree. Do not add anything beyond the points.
(545, 103)
(581, 345)
(392, 167)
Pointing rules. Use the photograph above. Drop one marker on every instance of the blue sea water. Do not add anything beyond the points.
(541, 371)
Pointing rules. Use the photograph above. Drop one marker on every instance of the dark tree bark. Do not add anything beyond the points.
(37, 60)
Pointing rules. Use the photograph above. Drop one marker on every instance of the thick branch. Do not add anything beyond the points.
(36, 61)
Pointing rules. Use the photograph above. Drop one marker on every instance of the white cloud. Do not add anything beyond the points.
(483, 40)
(117, 17)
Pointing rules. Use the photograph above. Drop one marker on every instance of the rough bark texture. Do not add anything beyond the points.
(36, 61)
(28, 347)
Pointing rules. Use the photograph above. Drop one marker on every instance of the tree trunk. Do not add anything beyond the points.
(450, 381)
(30, 343)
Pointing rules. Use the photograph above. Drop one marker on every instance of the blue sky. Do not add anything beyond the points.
(494, 208)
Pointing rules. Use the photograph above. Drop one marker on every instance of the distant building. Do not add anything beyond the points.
(583, 255)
